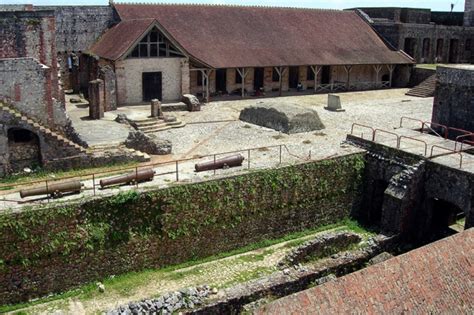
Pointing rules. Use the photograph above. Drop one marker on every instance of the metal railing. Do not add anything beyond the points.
(174, 165)
(399, 139)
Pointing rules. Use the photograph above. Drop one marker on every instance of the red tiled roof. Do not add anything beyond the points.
(435, 279)
(118, 39)
(230, 36)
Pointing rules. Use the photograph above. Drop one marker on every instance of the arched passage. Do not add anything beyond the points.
(445, 218)
(24, 149)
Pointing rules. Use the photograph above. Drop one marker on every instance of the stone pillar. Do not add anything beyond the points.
(4, 156)
(156, 108)
(107, 74)
(185, 77)
(96, 99)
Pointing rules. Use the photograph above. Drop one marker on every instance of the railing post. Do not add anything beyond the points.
(49, 195)
(248, 157)
(280, 154)
(93, 182)
(214, 164)
(177, 171)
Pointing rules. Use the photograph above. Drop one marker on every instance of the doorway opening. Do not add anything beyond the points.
(376, 202)
(258, 78)
(325, 75)
(294, 77)
(446, 219)
(453, 51)
(24, 149)
(152, 86)
(221, 81)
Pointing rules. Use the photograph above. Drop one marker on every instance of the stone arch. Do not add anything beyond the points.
(24, 149)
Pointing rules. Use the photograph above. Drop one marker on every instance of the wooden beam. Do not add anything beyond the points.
(281, 72)
(316, 70)
(348, 71)
(377, 69)
(243, 74)
(391, 68)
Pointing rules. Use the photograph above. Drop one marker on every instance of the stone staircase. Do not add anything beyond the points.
(425, 88)
(151, 125)
(71, 147)
(112, 150)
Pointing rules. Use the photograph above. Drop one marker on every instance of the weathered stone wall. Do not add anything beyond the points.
(454, 97)
(469, 13)
(78, 27)
(399, 187)
(419, 75)
(129, 78)
(58, 248)
(396, 33)
(30, 34)
(28, 86)
(49, 147)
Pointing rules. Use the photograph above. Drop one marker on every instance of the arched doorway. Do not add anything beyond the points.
(446, 219)
(24, 149)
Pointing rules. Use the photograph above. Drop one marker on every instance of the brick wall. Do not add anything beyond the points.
(58, 248)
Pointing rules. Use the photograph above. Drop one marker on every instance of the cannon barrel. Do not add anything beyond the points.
(135, 176)
(229, 161)
(52, 189)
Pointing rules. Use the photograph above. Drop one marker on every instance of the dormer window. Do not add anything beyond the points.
(153, 45)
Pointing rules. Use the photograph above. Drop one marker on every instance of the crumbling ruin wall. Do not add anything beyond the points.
(60, 247)
(30, 34)
(27, 84)
(454, 97)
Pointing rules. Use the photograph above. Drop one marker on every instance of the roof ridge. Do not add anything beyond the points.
(226, 5)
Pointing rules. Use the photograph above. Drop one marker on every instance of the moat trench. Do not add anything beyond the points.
(240, 279)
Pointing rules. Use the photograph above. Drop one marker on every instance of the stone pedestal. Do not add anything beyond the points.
(156, 108)
(334, 103)
(96, 99)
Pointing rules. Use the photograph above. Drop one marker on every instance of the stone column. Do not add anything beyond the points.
(96, 99)
(185, 77)
(156, 108)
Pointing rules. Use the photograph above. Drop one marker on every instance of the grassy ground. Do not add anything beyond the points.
(221, 271)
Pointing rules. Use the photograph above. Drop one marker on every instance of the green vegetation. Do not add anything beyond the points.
(121, 284)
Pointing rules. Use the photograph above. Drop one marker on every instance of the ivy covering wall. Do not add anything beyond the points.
(57, 248)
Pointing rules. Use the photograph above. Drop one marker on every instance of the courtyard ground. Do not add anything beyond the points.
(216, 129)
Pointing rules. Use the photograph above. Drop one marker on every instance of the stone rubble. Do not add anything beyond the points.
(166, 304)
(148, 143)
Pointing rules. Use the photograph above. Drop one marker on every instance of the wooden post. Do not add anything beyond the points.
(316, 70)
(348, 71)
(242, 74)
(280, 71)
(391, 68)
(202, 82)
(377, 69)
(208, 75)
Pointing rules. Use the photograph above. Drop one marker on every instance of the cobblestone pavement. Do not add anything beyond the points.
(216, 129)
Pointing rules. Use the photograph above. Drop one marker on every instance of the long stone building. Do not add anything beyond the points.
(429, 37)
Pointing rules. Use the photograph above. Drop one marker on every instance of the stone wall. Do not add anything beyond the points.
(396, 33)
(454, 97)
(469, 13)
(399, 188)
(129, 78)
(28, 86)
(78, 27)
(60, 247)
(30, 34)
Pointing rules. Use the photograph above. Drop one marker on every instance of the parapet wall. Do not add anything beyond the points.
(58, 248)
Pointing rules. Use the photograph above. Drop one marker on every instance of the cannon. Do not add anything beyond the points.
(54, 189)
(229, 161)
(133, 177)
